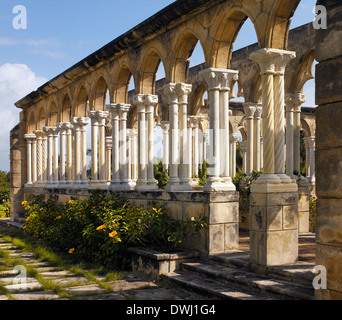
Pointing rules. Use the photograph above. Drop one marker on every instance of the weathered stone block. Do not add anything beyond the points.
(328, 128)
(258, 218)
(290, 217)
(274, 218)
(194, 209)
(231, 236)
(223, 212)
(216, 238)
(329, 171)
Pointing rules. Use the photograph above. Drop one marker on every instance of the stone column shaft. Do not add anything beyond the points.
(29, 140)
(249, 110)
(165, 127)
(217, 80)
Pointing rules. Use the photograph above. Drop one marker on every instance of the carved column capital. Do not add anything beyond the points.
(219, 79)
(249, 110)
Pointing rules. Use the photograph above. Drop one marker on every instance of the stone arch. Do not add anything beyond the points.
(183, 45)
(41, 118)
(52, 112)
(305, 127)
(31, 122)
(99, 93)
(81, 102)
(65, 111)
(121, 83)
(303, 72)
(225, 31)
(196, 100)
(148, 68)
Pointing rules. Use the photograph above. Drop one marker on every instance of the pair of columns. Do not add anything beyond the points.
(145, 104)
(177, 95)
(120, 150)
(294, 102)
(195, 145)
(219, 82)
(253, 145)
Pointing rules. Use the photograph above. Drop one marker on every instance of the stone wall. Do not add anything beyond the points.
(220, 208)
(329, 149)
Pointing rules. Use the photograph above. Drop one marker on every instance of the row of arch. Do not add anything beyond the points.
(172, 49)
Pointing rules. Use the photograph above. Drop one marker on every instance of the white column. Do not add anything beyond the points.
(150, 103)
(171, 93)
(257, 138)
(102, 116)
(123, 110)
(80, 146)
(77, 184)
(310, 158)
(29, 140)
(94, 148)
(234, 138)
(165, 127)
(109, 144)
(69, 174)
(49, 134)
(216, 80)
(249, 110)
(243, 147)
(228, 79)
(55, 158)
(183, 91)
(39, 145)
(62, 154)
(139, 101)
(115, 181)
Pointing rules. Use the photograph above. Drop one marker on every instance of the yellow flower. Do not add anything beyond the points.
(101, 227)
(27, 219)
(102, 202)
(113, 234)
(59, 217)
(24, 227)
(159, 210)
(70, 201)
(71, 250)
(80, 209)
(24, 202)
(123, 207)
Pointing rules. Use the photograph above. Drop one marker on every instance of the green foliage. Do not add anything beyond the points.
(100, 229)
(312, 214)
(5, 201)
(243, 182)
(202, 173)
(160, 175)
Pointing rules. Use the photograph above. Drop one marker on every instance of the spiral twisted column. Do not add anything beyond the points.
(279, 119)
(272, 64)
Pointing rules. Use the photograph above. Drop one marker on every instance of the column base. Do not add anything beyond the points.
(93, 185)
(152, 184)
(178, 187)
(216, 184)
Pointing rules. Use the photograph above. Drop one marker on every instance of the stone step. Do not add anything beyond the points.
(252, 281)
(300, 272)
(212, 289)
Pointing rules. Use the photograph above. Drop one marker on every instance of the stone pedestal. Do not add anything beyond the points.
(273, 225)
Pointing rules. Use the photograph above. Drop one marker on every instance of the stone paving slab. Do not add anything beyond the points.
(57, 274)
(3, 297)
(36, 295)
(65, 282)
(24, 287)
(108, 296)
(85, 290)
(10, 280)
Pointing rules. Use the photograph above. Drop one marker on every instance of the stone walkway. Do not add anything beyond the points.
(28, 278)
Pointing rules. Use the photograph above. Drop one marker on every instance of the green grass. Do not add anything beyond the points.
(61, 261)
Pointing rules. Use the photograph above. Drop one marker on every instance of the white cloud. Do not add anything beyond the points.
(16, 81)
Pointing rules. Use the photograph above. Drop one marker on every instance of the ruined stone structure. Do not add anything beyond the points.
(49, 150)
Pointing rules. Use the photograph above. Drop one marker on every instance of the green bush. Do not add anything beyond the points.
(160, 175)
(312, 213)
(100, 229)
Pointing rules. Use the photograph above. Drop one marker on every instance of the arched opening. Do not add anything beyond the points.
(53, 115)
(82, 104)
(100, 93)
(65, 115)
(31, 123)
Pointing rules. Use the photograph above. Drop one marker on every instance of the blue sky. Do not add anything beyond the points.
(61, 33)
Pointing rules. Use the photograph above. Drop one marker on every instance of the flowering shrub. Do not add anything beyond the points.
(100, 229)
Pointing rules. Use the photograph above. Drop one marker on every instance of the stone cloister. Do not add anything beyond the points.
(49, 145)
